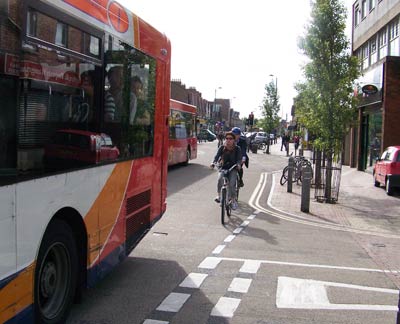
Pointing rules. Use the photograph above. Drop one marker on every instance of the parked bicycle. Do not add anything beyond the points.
(226, 202)
(297, 173)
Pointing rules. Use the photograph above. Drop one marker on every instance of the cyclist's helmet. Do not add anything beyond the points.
(236, 131)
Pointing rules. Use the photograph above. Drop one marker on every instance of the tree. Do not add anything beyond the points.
(324, 103)
(270, 108)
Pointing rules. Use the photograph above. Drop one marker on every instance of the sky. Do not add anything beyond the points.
(233, 48)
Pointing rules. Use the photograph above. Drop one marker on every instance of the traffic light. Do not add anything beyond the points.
(251, 119)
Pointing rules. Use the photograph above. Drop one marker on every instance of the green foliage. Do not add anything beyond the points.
(324, 104)
(270, 108)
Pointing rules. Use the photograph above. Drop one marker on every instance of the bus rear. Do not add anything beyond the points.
(182, 133)
(85, 92)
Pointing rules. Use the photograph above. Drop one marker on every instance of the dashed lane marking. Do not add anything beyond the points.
(218, 249)
(240, 285)
(173, 302)
(150, 321)
(225, 307)
(250, 266)
(209, 263)
(229, 238)
(193, 280)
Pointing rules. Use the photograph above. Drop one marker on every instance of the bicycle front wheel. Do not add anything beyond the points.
(223, 205)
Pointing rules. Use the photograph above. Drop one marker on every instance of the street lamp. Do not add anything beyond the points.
(230, 110)
(215, 102)
(276, 88)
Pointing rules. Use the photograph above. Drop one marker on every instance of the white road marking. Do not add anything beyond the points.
(225, 307)
(254, 202)
(311, 294)
(193, 280)
(250, 266)
(216, 260)
(238, 230)
(240, 285)
(150, 321)
(245, 223)
(251, 217)
(209, 263)
(218, 249)
(229, 238)
(173, 302)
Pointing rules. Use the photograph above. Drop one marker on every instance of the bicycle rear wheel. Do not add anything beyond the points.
(223, 205)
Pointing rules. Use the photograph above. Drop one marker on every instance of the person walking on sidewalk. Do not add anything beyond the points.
(285, 143)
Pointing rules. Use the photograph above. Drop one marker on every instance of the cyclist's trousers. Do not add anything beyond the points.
(232, 184)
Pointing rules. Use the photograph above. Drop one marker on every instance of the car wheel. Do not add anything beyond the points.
(388, 187)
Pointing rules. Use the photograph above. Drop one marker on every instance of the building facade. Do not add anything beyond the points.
(212, 115)
(375, 41)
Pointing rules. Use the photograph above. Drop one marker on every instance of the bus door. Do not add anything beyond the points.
(165, 132)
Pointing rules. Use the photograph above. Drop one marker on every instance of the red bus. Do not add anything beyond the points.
(182, 133)
(85, 90)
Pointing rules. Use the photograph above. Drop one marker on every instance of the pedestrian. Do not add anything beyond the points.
(296, 141)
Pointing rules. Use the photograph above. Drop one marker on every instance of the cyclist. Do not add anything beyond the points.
(242, 143)
(228, 154)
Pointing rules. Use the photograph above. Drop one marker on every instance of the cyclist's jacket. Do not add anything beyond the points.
(228, 158)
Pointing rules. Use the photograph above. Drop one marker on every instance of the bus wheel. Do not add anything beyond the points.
(187, 157)
(56, 274)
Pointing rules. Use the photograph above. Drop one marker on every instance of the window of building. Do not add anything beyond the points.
(394, 38)
(373, 51)
(32, 23)
(357, 16)
(382, 42)
(372, 4)
(363, 9)
(61, 34)
(365, 56)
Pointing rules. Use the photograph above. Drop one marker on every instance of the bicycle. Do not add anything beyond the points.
(297, 173)
(225, 203)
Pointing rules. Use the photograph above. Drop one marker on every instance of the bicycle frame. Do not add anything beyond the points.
(225, 198)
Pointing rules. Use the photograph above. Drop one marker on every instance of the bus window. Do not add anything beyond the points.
(8, 95)
(129, 100)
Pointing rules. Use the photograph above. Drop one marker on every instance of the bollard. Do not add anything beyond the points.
(290, 175)
(305, 189)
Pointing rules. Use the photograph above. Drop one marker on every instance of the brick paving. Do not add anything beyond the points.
(372, 217)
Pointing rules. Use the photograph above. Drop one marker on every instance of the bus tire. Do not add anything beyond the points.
(55, 274)
(187, 156)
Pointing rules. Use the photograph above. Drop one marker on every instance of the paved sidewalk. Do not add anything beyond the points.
(367, 212)
(360, 204)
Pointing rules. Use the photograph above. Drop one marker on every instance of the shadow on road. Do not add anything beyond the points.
(187, 175)
(133, 291)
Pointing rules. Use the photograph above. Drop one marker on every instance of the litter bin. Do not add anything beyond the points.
(254, 148)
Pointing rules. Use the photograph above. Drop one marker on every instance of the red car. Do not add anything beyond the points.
(387, 169)
(82, 147)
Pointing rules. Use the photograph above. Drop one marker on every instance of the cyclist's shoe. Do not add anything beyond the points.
(217, 199)
(234, 204)
(241, 183)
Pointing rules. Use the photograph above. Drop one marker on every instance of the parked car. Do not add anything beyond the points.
(79, 147)
(387, 169)
(207, 135)
(261, 137)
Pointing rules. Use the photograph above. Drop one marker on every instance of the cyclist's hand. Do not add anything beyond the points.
(238, 166)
